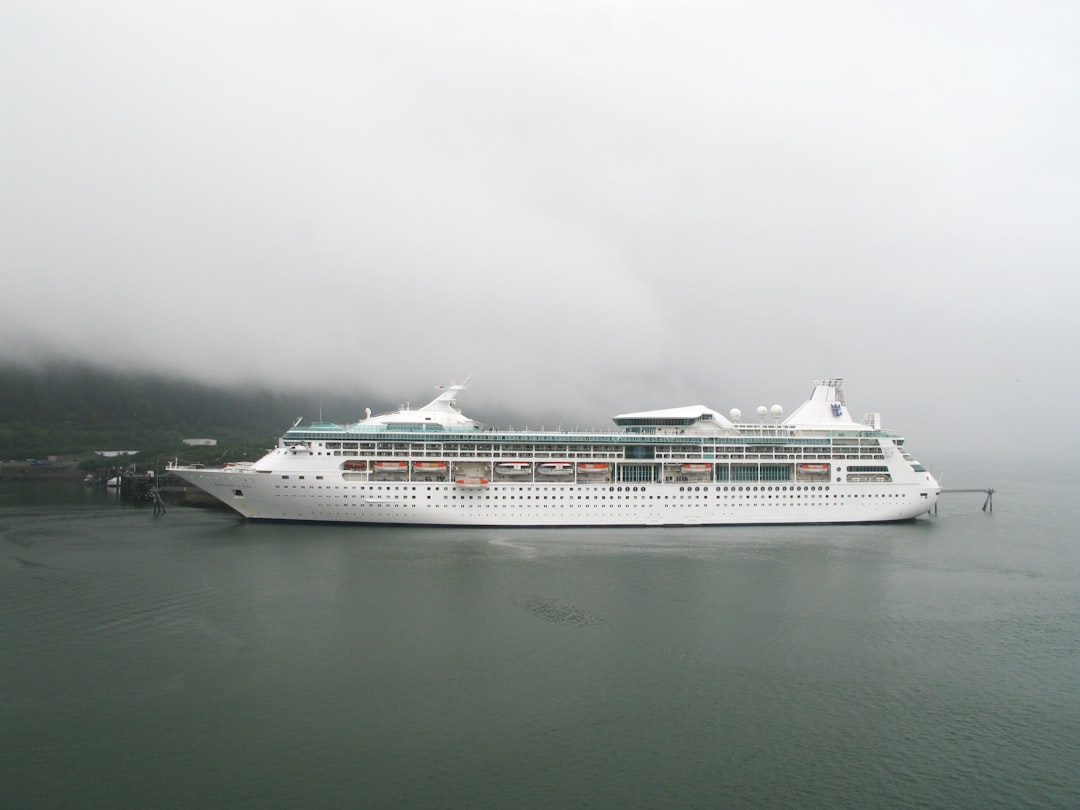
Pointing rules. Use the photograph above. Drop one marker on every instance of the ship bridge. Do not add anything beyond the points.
(440, 413)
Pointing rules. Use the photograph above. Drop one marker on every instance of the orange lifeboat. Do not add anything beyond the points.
(471, 482)
(391, 466)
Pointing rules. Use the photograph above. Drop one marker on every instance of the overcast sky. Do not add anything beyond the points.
(593, 207)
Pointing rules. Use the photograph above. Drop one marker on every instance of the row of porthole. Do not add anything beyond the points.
(681, 489)
(406, 504)
(600, 497)
(755, 489)
(586, 505)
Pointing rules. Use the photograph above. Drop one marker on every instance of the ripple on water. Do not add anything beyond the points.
(552, 610)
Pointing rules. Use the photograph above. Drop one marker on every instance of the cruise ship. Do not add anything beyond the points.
(674, 467)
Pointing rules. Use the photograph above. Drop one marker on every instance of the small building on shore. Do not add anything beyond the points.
(200, 442)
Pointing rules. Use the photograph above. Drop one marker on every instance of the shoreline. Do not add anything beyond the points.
(41, 471)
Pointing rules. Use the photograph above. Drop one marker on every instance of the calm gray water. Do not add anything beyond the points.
(194, 660)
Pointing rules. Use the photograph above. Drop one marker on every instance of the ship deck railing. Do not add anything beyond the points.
(322, 431)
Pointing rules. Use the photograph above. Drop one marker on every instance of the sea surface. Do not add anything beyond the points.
(195, 660)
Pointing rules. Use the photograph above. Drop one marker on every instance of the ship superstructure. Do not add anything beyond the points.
(681, 466)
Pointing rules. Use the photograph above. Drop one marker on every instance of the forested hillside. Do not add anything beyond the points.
(71, 409)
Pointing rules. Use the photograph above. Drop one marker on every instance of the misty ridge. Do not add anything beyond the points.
(62, 407)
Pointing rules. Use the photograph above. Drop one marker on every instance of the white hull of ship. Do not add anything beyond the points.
(267, 496)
